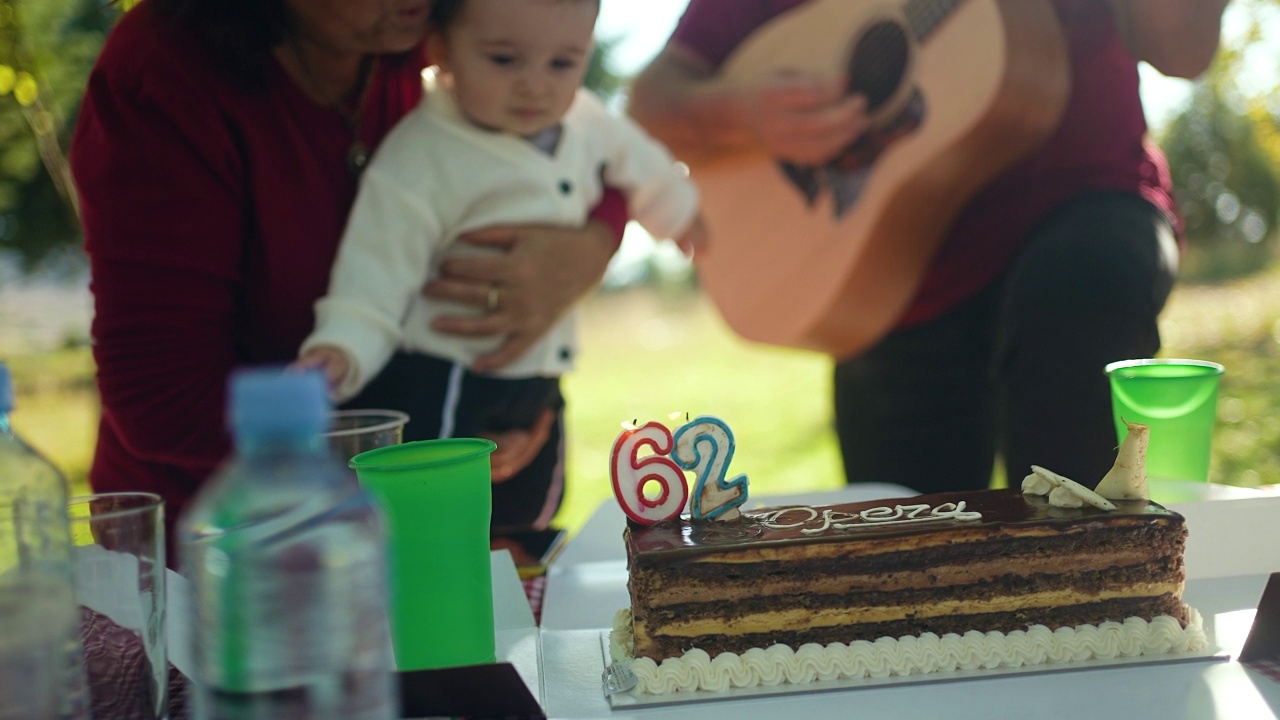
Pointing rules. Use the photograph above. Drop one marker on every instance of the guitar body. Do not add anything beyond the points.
(828, 258)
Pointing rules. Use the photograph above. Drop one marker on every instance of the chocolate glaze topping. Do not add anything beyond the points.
(942, 512)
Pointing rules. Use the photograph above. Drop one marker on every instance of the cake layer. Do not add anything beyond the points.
(992, 560)
(661, 645)
(874, 528)
(786, 612)
(826, 570)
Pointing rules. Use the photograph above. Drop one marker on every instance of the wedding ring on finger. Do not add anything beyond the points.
(491, 303)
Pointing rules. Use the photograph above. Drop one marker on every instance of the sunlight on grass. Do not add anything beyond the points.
(62, 426)
(56, 409)
(648, 354)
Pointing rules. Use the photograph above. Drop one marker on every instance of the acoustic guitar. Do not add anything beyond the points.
(828, 257)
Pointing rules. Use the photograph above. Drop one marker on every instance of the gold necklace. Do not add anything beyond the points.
(358, 153)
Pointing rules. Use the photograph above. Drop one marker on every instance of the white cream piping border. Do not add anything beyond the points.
(887, 657)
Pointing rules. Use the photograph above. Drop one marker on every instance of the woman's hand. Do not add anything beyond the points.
(542, 272)
(517, 448)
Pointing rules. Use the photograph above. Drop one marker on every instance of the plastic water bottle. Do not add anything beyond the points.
(286, 554)
(41, 668)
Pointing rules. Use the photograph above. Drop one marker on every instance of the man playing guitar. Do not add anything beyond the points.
(1057, 264)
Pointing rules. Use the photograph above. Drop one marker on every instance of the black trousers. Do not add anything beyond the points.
(1017, 369)
(443, 399)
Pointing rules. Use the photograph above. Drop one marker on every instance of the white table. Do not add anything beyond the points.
(1234, 544)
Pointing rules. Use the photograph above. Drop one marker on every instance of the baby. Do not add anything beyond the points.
(505, 135)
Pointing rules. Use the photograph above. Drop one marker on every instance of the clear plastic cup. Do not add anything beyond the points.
(1178, 400)
(438, 498)
(119, 551)
(352, 432)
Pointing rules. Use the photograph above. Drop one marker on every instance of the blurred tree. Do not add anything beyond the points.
(600, 76)
(1224, 153)
(47, 48)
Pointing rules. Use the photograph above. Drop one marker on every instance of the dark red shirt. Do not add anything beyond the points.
(212, 213)
(1099, 144)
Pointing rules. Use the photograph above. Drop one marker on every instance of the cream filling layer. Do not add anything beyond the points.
(886, 657)
(792, 619)
(934, 577)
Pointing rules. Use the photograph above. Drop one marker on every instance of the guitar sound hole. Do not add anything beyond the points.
(879, 63)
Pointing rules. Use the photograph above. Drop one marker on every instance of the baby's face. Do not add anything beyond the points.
(516, 64)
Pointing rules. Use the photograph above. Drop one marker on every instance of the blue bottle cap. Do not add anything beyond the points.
(6, 389)
(274, 402)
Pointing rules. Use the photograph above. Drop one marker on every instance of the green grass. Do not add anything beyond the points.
(649, 354)
(56, 408)
(1238, 325)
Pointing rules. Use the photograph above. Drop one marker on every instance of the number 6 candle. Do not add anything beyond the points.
(630, 474)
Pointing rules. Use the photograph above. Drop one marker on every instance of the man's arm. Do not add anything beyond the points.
(677, 100)
(682, 102)
(1177, 37)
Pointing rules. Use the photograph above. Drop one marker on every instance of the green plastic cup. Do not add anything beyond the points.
(437, 498)
(1178, 400)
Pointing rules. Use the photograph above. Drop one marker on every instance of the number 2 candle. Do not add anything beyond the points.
(705, 446)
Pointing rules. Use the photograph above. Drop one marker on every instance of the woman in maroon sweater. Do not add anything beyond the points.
(216, 156)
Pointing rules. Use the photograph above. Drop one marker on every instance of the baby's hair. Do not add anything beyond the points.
(445, 12)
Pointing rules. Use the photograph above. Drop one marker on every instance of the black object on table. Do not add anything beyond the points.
(475, 691)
